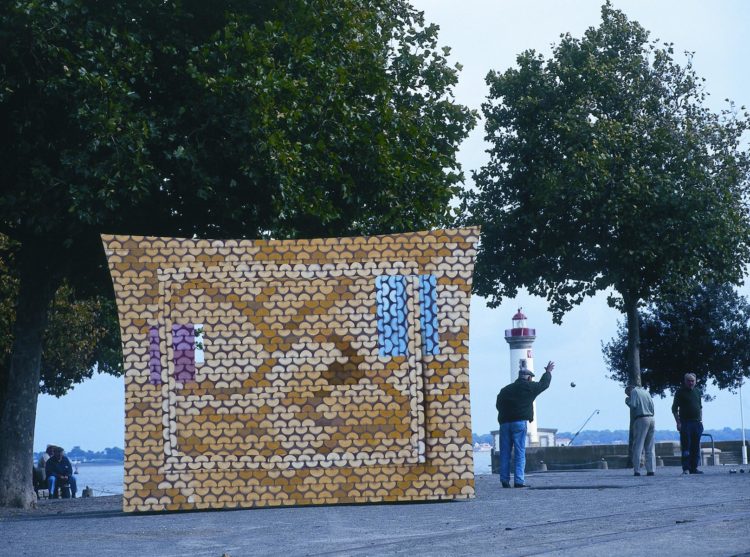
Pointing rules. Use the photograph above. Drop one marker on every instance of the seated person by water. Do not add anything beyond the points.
(59, 470)
(38, 473)
(46, 455)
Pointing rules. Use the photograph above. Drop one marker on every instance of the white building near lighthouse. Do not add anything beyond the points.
(520, 338)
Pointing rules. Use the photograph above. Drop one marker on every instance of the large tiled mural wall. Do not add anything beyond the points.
(266, 373)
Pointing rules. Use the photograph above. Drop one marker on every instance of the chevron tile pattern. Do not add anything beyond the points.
(263, 373)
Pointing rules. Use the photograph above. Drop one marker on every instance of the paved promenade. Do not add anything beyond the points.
(593, 512)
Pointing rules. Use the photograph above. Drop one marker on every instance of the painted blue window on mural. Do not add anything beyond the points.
(428, 313)
(393, 326)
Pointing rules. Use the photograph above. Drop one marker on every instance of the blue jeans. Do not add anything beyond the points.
(52, 480)
(690, 442)
(513, 434)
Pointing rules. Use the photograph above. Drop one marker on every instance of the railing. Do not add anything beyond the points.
(713, 449)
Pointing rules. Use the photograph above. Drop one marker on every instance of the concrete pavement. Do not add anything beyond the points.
(591, 512)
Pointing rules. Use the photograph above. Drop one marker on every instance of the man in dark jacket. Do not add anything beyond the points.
(59, 470)
(515, 407)
(688, 414)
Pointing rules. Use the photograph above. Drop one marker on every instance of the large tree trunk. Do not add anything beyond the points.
(634, 363)
(20, 388)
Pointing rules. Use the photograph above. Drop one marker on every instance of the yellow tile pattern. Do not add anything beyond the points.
(293, 405)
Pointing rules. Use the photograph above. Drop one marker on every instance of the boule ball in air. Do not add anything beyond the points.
(572, 384)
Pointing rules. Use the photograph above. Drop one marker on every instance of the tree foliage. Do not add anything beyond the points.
(706, 333)
(81, 337)
(8, 293)
(607, 172)
(217, 119)
(232, 119)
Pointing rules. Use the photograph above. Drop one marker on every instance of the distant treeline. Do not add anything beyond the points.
(609, 437)
(113, 454)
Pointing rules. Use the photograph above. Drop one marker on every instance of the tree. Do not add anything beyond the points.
(608, 173)
(220, 119)
(8, 291)
(706, 333)
(81, 335)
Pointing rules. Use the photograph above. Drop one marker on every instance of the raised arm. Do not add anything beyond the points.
(546, 377)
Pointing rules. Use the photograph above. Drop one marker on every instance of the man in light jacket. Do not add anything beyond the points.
(642, 406)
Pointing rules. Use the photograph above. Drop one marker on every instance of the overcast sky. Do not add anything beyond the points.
(488, 35)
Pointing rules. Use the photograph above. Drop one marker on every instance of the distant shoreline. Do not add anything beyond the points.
(79, 456)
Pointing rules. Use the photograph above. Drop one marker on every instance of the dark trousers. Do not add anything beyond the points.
(690, 443)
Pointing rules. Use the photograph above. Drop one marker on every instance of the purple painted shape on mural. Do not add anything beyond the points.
(183, 343)
(154, 356)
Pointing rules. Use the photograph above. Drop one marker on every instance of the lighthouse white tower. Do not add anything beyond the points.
(520, 338)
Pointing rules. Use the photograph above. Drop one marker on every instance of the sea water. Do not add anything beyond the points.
(106, 479)
(482, 463)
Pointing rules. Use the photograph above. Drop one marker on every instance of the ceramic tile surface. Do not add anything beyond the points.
(264, 372)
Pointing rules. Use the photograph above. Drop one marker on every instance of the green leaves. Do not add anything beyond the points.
(706, 332)
(81, 336)
(220, 119)
(320, 113)
(607, 172)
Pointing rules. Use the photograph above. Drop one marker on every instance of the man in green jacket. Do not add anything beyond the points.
(515, 408)
(688, 414)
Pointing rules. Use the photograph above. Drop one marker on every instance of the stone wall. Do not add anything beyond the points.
(616, 456)
(266, 373)
(575, 457)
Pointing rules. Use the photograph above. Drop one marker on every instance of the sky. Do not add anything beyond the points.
(487, 35)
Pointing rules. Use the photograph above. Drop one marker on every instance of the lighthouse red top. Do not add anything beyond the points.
(520, 329)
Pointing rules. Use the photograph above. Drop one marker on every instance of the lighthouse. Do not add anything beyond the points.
(520, 338)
